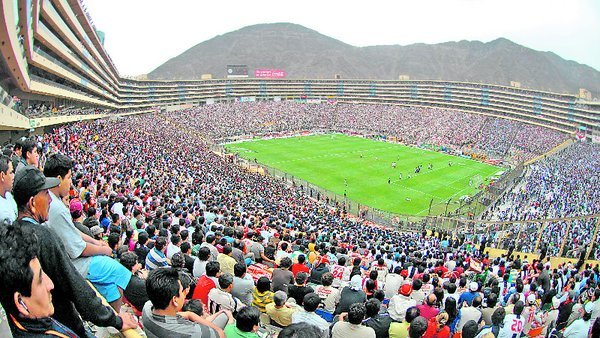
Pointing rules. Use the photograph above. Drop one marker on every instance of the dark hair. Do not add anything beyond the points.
(372, 307)
(195, 306)
(212, 268)
(175, 239)
(412, 313)
(417, 327)
(300, 330)
(285, 263)
(311, 302)
(451, 288)
(58, 165)
(160, 243)
(492, 299)
(17, 249)
(301, 258)
(4, 161)
(301, 277)
(498, 316)
(128, 260)
(356, 313)
(210, 238)
(185, 247)
(247, 318)
(476, 301)
(178, 261)
(203, 253)
(450, 307)
(519, 306)
(225, 280)
(27, 145)
(143, 237)
(416, 284)
(113, 239)
(327, 279)
(470, 329)
(227, 249)
(263, 284)
(239, 269)
(162, 285)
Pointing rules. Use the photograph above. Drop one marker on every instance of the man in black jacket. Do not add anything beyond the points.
(72, 295)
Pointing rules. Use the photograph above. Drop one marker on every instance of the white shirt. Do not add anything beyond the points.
(8, 208)
(513, 325)
(171, 250)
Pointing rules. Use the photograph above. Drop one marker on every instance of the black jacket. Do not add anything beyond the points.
(72, 295)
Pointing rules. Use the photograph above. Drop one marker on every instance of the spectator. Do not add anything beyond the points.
(401, 302)
(135, 293)
(162, 316)
(221, 298)
(279, 311)
(246, 324)
(400, 329)
(299, 290)
(242, 285)
(417, 327)
(311, 303)
(282, 276)
(207, 282)
(156, 257)
(71, 292)
(25, 286)
(200, 261)
(379, 322)
(8, 206)
(352, 327)
(91, 257)
(262, 294)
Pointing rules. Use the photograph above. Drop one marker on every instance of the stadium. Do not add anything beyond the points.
(460, 182)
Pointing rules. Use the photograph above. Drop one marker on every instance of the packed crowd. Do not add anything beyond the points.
(566, 184)
(198, 247)
(460, 132)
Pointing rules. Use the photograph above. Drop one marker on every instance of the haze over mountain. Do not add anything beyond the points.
(306, 54)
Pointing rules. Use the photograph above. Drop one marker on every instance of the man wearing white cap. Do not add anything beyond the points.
(469, 295)
(580, 327)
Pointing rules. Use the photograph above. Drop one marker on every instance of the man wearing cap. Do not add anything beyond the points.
(581, 326)
(401, 302)
(72, 296)
(469, 295)
(91, 257)
(76, 210)
(8, 206)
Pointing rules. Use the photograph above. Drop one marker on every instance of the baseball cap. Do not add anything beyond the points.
(75, 206)
(29, 181)
(96, 230)
(406, 290)
(531, 298)
(473, 286)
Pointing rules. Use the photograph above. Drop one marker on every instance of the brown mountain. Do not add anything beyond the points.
(305, 53)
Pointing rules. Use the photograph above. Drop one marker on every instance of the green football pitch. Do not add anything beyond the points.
(362, 168)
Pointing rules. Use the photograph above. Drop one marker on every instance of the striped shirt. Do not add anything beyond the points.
(155, 259)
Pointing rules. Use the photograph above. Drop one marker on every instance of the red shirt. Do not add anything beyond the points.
(432, 331)
(300, 268)
(203, 287)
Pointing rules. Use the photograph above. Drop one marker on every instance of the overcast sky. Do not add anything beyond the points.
(136, 28)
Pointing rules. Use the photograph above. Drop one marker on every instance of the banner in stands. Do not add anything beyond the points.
(269, 73)
(235, 71)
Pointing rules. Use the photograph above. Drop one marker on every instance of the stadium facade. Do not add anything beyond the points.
(53, 55)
